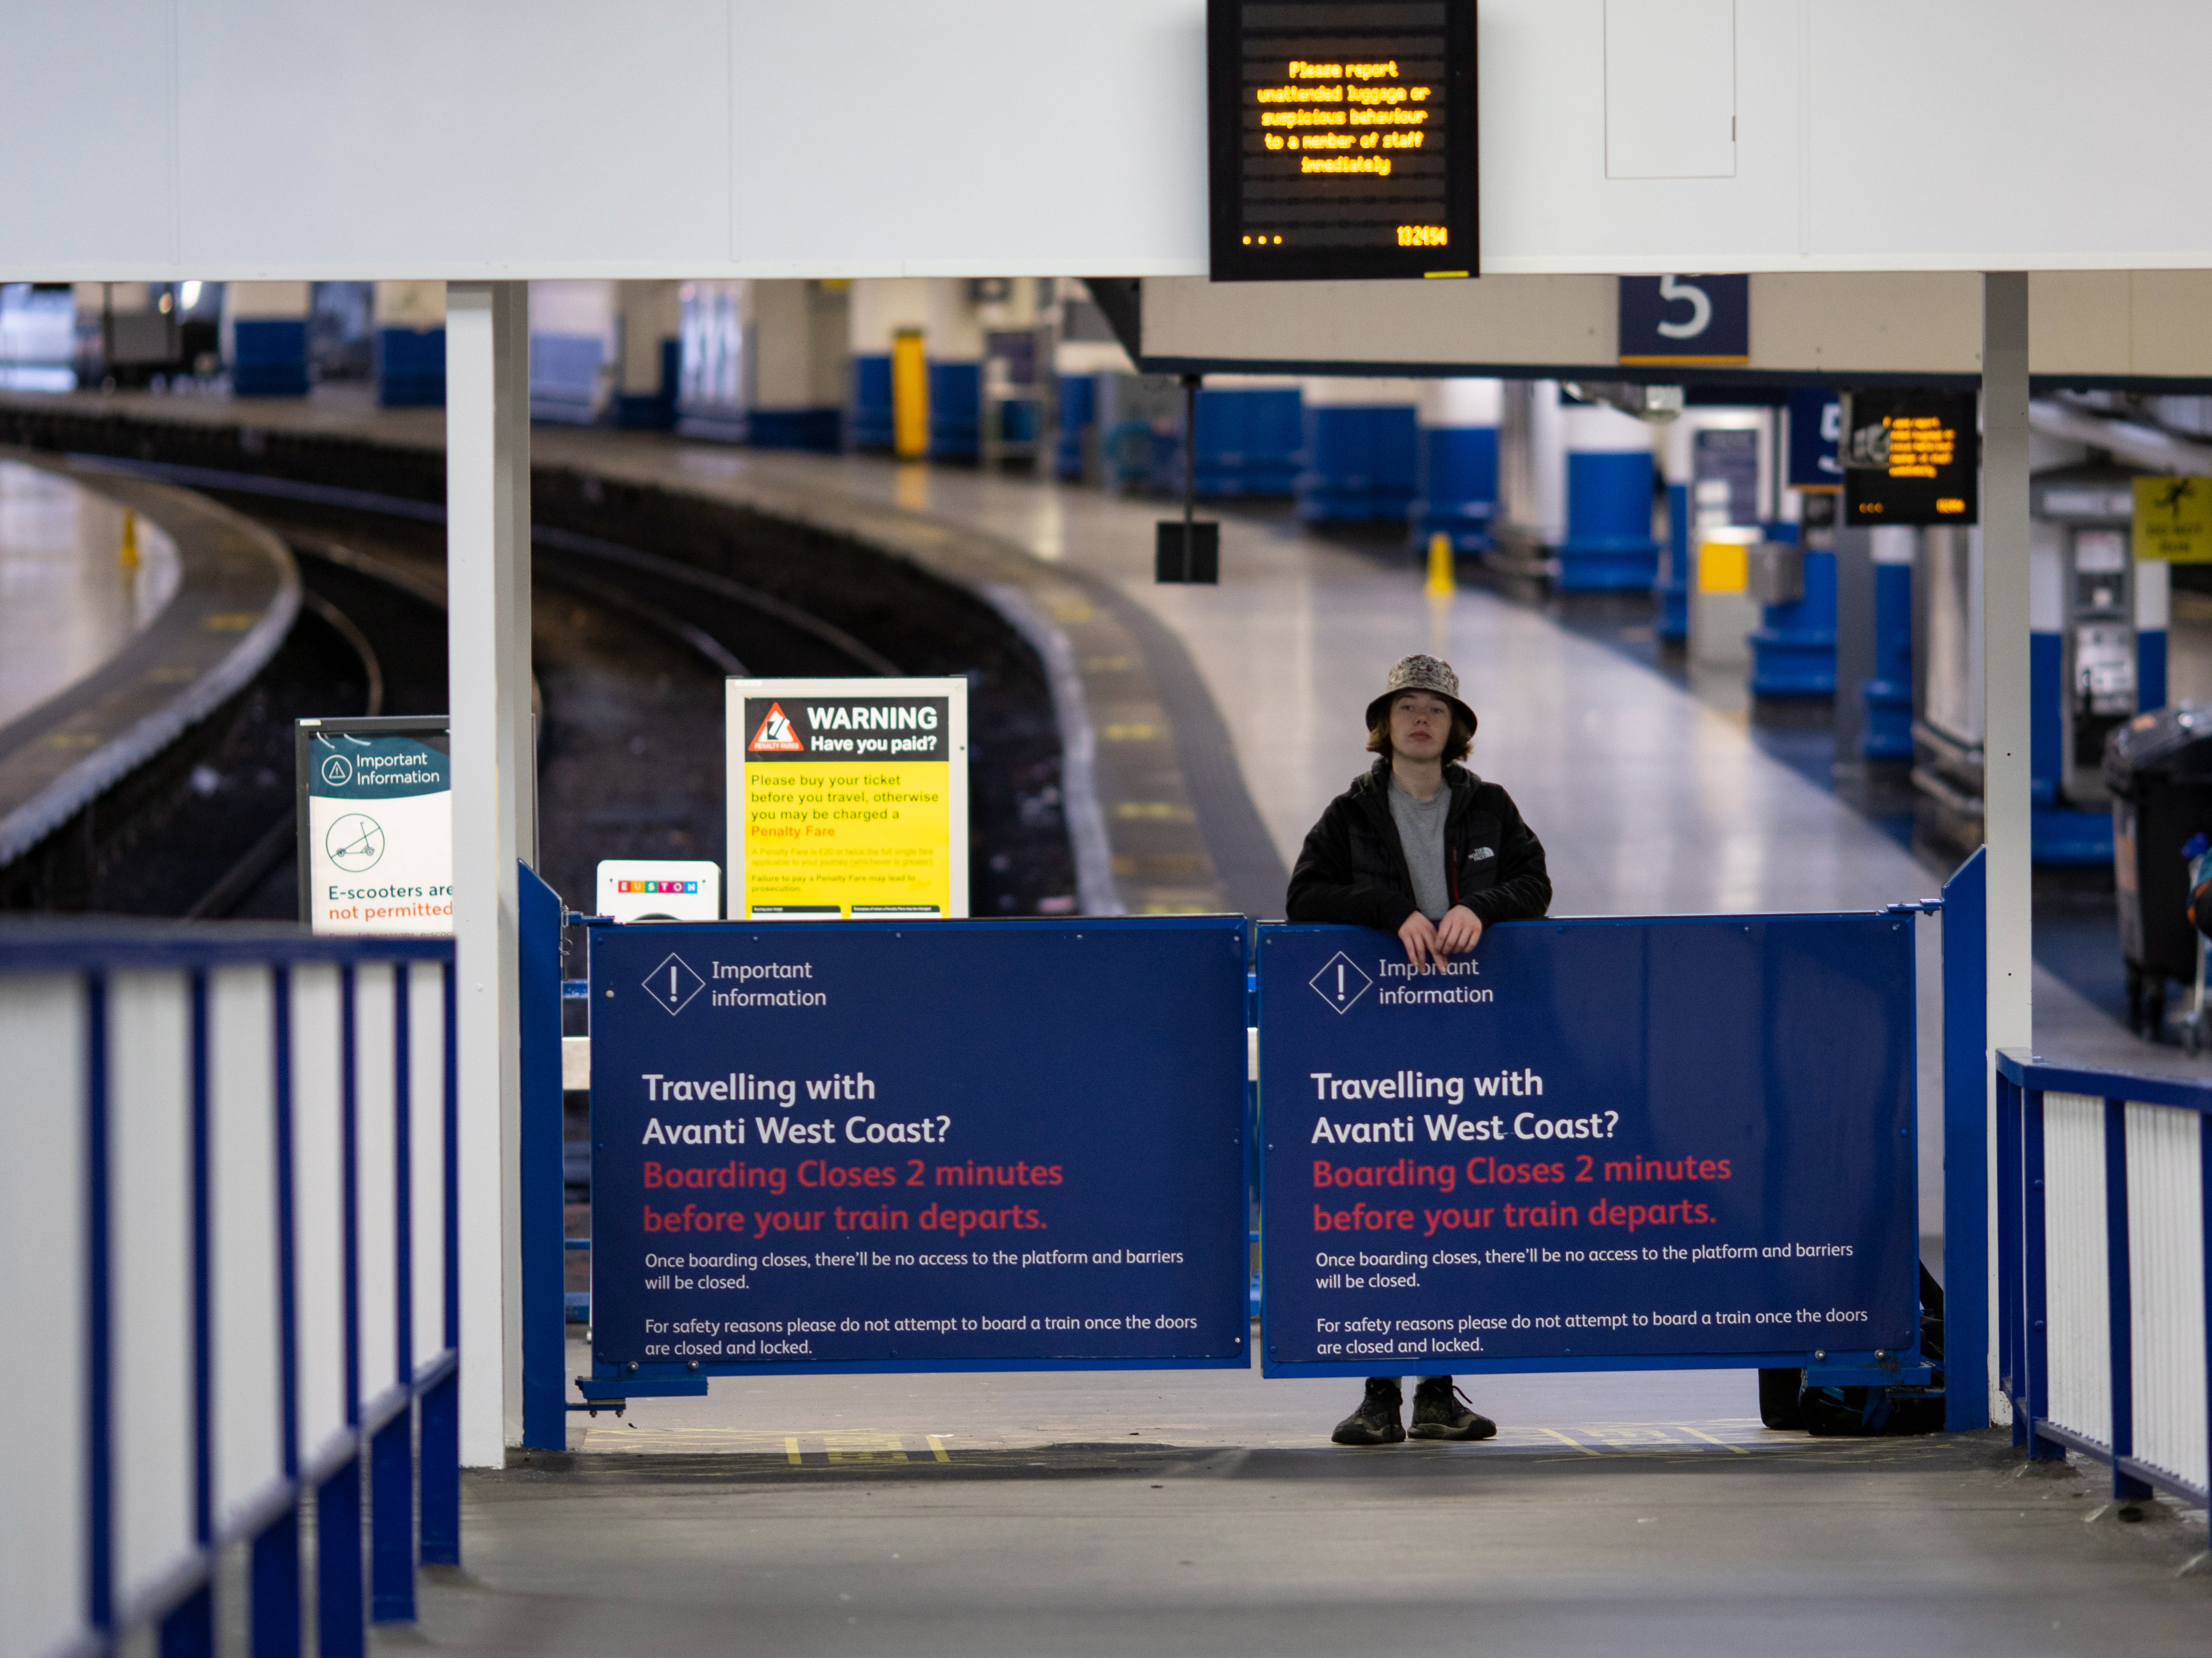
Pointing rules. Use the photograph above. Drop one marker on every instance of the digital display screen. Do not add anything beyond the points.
(1910, 457)
(1343, 139)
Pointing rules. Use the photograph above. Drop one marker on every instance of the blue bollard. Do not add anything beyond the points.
(410, 367)
(269, 357)
(1886, 729)
(955, 409)
(869, 422)
(1671, 589)
(1359, 454)
(1079, 413)
(1793, 651)
(1247, 439)
(1609, 546)
(1456, 474)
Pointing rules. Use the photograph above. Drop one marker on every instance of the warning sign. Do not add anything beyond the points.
(2173, 520)
(847, 797)
(776, 734)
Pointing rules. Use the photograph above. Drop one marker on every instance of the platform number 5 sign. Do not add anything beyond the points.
(1684, 319)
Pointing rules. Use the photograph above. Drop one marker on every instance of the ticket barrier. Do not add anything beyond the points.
(949, 1145)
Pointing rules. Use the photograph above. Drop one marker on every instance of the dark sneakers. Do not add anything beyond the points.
(1375, 1421)
(1442, 1411)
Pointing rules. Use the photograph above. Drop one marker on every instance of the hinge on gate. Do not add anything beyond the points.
(1918, 907)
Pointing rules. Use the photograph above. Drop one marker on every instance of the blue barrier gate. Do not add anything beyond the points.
(940, 1145)
(230, 1200)
(1597, 1145)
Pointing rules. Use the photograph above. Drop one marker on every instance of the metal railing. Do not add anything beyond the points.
(229, 1209)
(2104, 1267)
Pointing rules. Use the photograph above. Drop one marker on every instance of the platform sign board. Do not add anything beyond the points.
(1599, 1144)
(1342, 137)
(1816, 424)
(1911, 456)
(1684, 319)
(872, 1145)
(375, 824)
(847, 798)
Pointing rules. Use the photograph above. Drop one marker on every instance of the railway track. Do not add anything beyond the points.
(630, 648)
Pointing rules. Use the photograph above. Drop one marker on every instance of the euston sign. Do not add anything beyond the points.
(1343, 139)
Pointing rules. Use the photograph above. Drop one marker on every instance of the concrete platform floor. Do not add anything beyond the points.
(1530, 1544)
(68, 602)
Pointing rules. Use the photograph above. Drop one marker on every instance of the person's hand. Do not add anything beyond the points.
(1419, 934)
(1458, 933)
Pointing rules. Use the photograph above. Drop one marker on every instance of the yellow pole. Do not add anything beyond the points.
(1443, 583)
(909, 396)
(130, 553)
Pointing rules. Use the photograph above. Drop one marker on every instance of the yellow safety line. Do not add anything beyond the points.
(1709, 1439)
(1576, 1443)
(937, 1448)
(791, 1451)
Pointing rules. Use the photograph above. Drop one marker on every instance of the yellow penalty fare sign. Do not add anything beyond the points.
(847, 798)
(2173, 520)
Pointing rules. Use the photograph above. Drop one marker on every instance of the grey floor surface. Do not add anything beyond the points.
(1813, 1547)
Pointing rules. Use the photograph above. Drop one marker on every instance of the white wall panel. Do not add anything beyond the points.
(375, 1163)
(42, 1221)
(246, 1372)
(267, 139)
(983, 137)
(412, 139)
(1669, 89)
(1971, 136)
(89, 178)
(2077, 1291)
(318, 1208)
(150, 1174)
(426, 1001)
(2166, 1289)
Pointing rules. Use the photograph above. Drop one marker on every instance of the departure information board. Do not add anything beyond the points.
(1343, 139)
(1910, 457)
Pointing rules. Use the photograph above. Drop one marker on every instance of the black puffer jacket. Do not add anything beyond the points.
(1353, 868)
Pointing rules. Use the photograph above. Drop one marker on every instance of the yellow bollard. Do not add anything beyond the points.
(909, 396)
(130, 554)
(1443, 582)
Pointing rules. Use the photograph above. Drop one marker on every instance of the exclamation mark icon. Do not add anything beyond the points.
(672, 995)
(1339, 981)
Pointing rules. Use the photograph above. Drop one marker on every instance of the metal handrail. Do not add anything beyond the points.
(2103, 1329)
(235, 1160)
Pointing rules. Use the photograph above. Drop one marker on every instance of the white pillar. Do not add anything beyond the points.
(488, 671)
(2005, 698)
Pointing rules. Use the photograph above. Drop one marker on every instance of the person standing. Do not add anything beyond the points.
(1422, 848)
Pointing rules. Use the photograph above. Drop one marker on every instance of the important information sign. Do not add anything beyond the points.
(1592, 1141)
(847, 798)
(1343, 139)
(376, 845)
(868, 1145)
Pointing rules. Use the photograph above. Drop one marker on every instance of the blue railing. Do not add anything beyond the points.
(229, 1210)
(2105, 1271)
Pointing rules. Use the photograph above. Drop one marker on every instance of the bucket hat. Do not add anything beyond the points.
(1421, 673)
